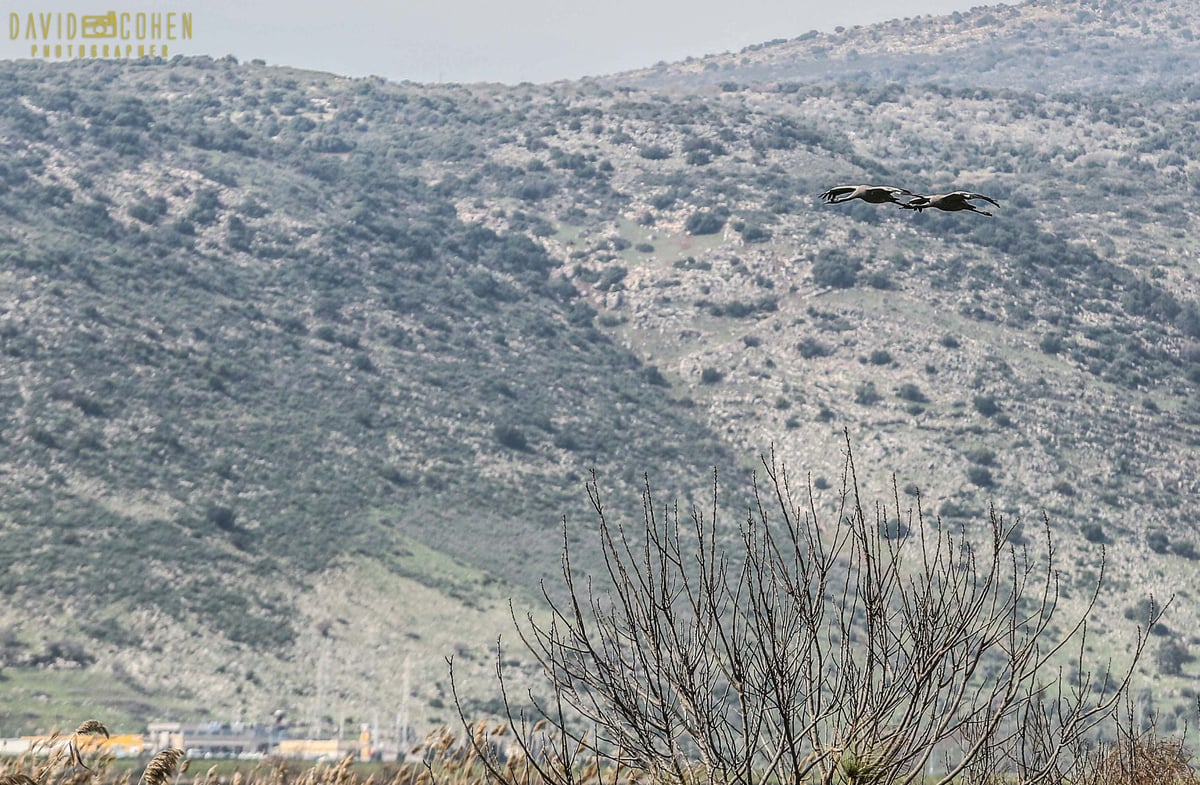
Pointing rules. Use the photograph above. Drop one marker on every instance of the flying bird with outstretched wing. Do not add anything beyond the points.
(951, 202)
(874, 194)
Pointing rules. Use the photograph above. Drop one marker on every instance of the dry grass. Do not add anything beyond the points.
(488, 755)
(1141, 759)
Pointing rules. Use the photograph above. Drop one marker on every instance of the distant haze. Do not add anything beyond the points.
(479, 40)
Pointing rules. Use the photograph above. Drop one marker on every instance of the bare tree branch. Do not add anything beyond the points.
(876, 645)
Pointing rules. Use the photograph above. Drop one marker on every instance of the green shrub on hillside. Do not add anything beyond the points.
(835, 269)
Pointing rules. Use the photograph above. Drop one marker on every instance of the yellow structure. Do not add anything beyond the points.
(364, 743)
(327, 749)
(316, 749)
(163, 735)
(120, 745)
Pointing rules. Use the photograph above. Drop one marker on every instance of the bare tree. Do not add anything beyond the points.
(877, 646)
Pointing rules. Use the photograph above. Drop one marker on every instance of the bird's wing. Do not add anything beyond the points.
(897, 190)
(970, 195)
(838, 190)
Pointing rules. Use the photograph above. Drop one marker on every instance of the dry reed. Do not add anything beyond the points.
(162, 766)
(91, 727)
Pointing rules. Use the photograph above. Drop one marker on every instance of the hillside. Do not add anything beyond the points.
(302, 372)
(1040, 46)
(247, 345)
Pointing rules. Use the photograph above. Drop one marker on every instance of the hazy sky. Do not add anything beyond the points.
(475, 40)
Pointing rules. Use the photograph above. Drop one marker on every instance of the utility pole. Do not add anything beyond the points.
(322, 675)
(403, 718)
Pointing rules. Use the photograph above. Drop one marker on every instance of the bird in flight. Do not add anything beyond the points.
(951, 202)
(874, 194)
